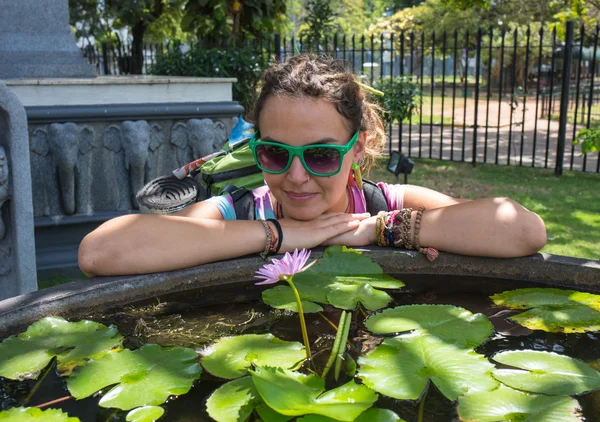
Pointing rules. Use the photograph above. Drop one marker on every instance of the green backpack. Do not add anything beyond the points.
(207, 176)
(235, 168)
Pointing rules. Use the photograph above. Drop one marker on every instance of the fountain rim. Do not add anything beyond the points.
(85, 296)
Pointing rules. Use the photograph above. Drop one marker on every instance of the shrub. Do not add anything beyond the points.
(239, 62)
(401, 97)
(590, 140)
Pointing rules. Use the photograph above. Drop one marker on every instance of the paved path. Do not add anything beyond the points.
(521, 133)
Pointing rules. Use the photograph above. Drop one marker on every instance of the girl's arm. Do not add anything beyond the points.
(494, 227)
(140, 244)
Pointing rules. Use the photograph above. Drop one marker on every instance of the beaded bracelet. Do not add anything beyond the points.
(402, 228)
(430, 253)
(379, 228)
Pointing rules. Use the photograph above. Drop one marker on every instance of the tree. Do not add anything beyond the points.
(100, 19)
(217, 20)
(318, 23)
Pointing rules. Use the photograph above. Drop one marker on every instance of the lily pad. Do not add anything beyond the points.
(147, 376)
(234, 401)
(369, 415)
(269, 415)
(348, 296)
(546, 373)
(553, 310)
(295, 394)
(73, 343)
(343, 277)
(282, 297)
(444, 321)
(145, 414)
(402, 366)
(506, 404)
(33, 414)
(231, 357)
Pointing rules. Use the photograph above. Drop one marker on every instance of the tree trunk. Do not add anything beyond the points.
(137, 49)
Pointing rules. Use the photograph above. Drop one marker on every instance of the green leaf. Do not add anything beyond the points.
(294, 394)
(546, 373)
(349, 265)
(269, 415)
(347, 296)
(231, 357)
(145, 414)
(443, 321)
(553, 310)
(402, 366)
(33, 414)
(343, 277)
(378, 415)
(282, 297)
(73, 343)
(381, 281)
(147, 376)
(505, 403)
(234, 401)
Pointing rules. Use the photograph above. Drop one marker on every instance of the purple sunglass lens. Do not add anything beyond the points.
(322, 160)
(271, 157)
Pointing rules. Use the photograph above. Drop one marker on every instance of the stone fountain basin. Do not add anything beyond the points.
(449, 273)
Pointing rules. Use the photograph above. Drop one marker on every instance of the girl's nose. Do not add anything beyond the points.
(297, 173)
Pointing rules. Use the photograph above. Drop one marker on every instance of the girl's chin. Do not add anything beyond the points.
(303, 213)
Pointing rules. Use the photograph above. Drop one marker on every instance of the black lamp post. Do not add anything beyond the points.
(400, 163)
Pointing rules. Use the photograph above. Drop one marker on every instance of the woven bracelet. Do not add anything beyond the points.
(279, 234)
(265, 253)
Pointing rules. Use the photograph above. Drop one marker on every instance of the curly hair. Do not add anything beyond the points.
(327, 78)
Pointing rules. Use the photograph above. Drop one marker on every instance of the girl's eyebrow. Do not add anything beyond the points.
(319, 142)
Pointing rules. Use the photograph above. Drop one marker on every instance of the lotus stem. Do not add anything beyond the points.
(49, 403)
(336, 345)
(301, 315)
(342, 346)
(362, 310)
(328, 321)
(39, 381)
(422, 406)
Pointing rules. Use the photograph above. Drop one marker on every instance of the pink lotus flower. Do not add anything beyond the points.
(284, 268)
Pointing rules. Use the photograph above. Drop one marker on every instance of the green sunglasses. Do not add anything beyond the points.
(319, 159)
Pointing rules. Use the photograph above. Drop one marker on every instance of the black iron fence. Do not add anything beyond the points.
(515, 98)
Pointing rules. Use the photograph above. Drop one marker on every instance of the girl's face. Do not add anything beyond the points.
(299, 122)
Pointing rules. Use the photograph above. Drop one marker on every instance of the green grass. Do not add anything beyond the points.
(44, 283)
(569, 205)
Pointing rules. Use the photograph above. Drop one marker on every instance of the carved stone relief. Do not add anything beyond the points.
(76, 171)
(4, 193)
(60, 157)
(197, 138)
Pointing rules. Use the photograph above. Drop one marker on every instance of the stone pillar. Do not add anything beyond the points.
(17, 245)
(36, 41)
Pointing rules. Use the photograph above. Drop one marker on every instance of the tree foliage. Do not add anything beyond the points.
(101, 19)
(318, 23)
(217, 20)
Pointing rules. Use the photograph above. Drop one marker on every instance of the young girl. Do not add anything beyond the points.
(315, 129)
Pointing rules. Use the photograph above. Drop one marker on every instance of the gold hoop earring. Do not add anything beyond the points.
(357, 175)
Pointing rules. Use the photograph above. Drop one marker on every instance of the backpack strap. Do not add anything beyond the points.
(243, 202)
(374, 197)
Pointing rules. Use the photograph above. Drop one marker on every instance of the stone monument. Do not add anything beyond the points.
(17, 246)
(35, 41)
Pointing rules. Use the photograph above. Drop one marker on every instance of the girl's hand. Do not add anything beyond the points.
(308, 234)
(362, 235)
